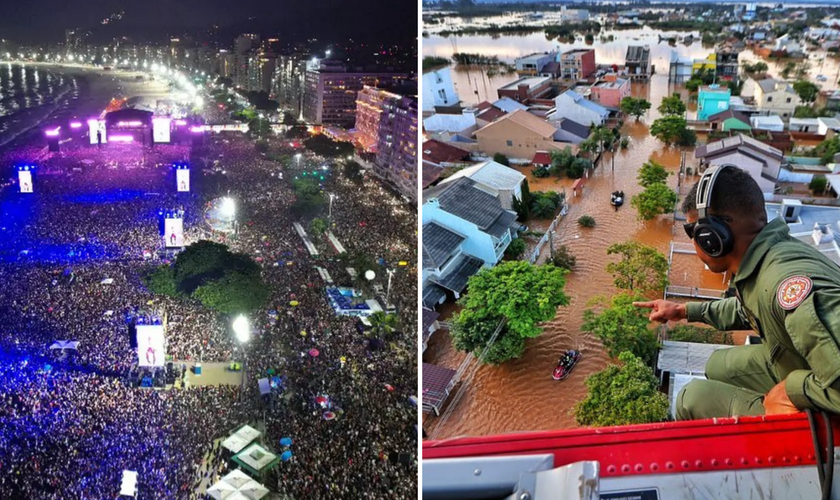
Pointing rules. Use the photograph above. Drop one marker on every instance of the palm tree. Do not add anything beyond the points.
(383, 324)
(543, 208)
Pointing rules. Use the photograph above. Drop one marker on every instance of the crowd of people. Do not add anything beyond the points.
(72, 262)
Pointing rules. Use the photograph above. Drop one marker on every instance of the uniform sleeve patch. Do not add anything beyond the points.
(793, 291)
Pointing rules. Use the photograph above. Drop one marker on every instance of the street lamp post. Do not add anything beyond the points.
(242, 330)
(297, 159)
(388, 292)
(329, 216)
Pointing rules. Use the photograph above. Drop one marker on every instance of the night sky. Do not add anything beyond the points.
(33, 21)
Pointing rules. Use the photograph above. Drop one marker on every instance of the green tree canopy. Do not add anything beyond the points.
(353, 171)
(672, 130)
(297, 132)
(324, 146)
(222, 280)
(621, 326)
(564, 259)
(383, 325)
(672, 105)
(652, 173)
(641, 268)
(656, 199)
(634, 106)
(500, 158)
(308, 195)
(515, 249)
(259, 127)
(682, 332)
(520, 293)
(561, 160)
(806, 90)
(622, 395)
(318, 226)
(543, 208)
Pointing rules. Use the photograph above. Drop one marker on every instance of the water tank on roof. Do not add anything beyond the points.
(790, 210)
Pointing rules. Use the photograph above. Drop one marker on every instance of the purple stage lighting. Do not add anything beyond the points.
(75, 124)
(121, 138)
(53, 132)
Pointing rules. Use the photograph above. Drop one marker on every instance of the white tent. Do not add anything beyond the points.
(253, 490)
(237, 479)
(65, 344)
(129, 483)
(240, 439)
(107, 281)
(221, 491)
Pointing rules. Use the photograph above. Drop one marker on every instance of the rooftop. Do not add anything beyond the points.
(637, 53)
(526, 120)
(529, 81)
(438, 244)
(463, 199)
(508, 105)
(492, 174)
(733, 143)
(449, 123)
(435, 151)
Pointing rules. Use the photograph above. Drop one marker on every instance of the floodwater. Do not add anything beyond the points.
(520, 395)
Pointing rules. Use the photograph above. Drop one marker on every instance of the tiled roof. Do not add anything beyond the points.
(440, 152)
(492, 174)
(528, 121)
(458, 275)
(439, 243)
(575, 128)
(733, 143)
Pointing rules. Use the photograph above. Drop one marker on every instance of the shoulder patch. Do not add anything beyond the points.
(793, 291)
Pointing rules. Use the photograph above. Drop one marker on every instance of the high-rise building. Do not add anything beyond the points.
(369, 107)
(330, 91)
(289, 79)
(396, 156)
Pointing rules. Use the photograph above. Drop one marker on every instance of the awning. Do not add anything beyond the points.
(541, 158)
(436, 383)
(456, 279)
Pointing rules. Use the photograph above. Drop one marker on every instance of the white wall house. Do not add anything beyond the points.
(438, 90)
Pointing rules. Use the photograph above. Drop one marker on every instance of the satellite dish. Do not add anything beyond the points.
(369, 275)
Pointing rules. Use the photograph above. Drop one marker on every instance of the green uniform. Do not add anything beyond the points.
(789, 293)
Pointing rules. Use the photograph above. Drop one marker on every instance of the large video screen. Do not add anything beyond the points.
(182, 177)
(95, 126)
(25, 181)
(150, 345)
(160, 130)
(174, 232)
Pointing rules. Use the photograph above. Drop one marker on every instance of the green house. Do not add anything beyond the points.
(729, 120)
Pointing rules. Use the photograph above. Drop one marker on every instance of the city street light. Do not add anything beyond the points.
(242, 330)
(297, 157)
(388, 292)
(332, 197)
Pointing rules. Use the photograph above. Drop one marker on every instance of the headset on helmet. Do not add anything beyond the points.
(711, 233)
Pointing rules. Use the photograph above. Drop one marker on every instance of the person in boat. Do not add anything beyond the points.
(785, 290)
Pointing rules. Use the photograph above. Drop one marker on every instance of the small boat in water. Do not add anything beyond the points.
(617, 199)
(566, 364)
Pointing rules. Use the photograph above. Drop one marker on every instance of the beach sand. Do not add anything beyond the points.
(96, 88)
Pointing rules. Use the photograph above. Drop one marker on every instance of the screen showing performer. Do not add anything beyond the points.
(25, 180)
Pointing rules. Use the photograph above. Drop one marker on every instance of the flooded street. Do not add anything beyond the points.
(520, 395)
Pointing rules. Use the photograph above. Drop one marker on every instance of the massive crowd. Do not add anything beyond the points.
(68, 432)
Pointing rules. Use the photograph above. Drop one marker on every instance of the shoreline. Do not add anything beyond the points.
(95, 90)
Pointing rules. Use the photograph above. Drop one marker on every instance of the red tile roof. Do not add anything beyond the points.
(439, 152)
(541, 158)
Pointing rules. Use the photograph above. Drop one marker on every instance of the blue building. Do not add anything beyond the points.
(712, 100)
(465, 228)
